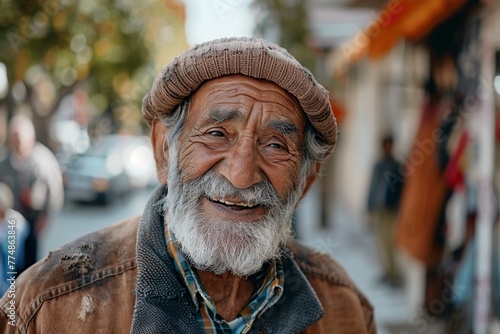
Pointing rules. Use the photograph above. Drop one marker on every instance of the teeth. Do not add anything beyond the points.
(246, 205)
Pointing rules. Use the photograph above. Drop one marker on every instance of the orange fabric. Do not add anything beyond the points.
(401, 19)
(424, 18)
(424, 192)
(417, 19)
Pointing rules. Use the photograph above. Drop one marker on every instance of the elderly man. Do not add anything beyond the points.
(239, 130)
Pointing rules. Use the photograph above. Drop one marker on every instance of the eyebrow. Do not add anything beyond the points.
(285, 127)
(221, 115)
(218, 116)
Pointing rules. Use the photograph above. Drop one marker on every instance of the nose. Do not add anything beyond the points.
(241, 164)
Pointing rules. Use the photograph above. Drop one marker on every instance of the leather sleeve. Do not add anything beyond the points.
(85, 284)
(344, 313)
(346, 310)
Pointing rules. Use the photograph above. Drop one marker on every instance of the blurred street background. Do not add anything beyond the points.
(408, 203)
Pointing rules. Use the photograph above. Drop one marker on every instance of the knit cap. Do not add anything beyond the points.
(249, 56)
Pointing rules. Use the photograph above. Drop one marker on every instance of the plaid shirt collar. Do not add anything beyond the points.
(269, 292)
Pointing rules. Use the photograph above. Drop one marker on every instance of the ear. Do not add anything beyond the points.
(310, 178)
(160, 150)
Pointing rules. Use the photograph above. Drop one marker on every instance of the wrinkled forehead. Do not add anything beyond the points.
(234, 88)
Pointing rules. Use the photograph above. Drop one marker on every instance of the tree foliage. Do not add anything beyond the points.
(106, 46)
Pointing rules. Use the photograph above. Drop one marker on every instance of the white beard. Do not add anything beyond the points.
(215, 245)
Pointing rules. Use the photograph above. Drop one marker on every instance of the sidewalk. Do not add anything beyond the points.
(352, 244)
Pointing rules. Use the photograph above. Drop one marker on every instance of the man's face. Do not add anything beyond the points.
(247, 131)
(235, 178)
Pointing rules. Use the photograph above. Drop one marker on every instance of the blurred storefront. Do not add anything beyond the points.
(428, 72)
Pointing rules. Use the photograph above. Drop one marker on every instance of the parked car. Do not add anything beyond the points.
(111, 167)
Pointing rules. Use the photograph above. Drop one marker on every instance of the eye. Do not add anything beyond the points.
(275, 150)
(276, 146)
(216, 133)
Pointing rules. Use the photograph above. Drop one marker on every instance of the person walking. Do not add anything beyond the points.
(383, 200)
(34, 176)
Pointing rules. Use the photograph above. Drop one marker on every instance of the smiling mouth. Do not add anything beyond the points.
(234, 205)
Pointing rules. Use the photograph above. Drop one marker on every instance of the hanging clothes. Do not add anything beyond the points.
(419, 228)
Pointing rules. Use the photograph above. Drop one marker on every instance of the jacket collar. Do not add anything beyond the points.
(162, 301)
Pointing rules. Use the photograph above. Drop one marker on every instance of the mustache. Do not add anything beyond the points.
(213, 185)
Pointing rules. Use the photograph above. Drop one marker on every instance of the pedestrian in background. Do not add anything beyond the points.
(11, 243)
(383, 201)
(34, 176)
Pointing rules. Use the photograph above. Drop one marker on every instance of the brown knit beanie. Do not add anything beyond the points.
(253, 57)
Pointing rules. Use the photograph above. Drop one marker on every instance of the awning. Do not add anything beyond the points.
(412, 19)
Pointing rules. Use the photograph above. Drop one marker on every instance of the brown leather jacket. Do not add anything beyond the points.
(88, 286)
